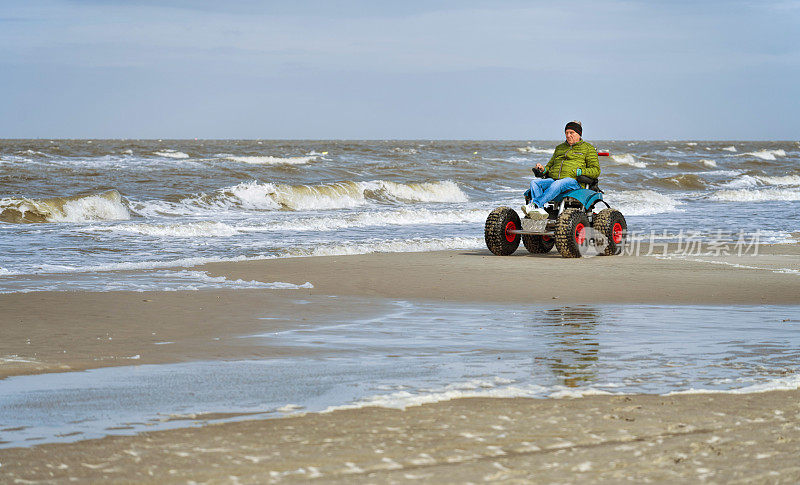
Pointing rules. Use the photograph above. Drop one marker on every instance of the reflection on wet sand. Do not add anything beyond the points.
(572, 355)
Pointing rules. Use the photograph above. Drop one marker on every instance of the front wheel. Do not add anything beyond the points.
(611, 224)
(497, 231)
(571, 232)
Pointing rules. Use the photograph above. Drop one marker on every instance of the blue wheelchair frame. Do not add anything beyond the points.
(587, 198)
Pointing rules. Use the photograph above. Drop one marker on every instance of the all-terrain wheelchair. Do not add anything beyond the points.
(572, 225)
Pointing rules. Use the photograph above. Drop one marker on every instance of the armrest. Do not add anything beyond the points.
(584, 179)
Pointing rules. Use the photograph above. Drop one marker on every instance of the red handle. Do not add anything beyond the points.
(603, 154)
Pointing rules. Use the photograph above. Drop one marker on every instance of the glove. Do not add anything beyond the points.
(578, 173)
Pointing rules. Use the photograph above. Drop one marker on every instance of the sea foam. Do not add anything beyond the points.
(190, 229)
(495, 387)
(389, 246)
(158, 280)
(402, 217)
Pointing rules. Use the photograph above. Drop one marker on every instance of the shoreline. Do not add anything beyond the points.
(666, 438)
(67, 331)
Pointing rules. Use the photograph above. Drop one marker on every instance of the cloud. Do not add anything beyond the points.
(578, 37)
(405, 65)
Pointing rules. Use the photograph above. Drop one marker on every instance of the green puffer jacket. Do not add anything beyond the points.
(567, 160)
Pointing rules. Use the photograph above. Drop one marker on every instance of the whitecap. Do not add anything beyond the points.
(171, 154)
(768, 155)
(780, 180)
(709, 163)
(533, 149)
(102, 207)
(751, 181)
(730, 149)
(746, 195)
(107, 206)
(445, 191)
(642, 202)
(627, 159)
(339, 195)
(269, 160)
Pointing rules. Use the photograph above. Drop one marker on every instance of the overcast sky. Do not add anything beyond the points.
(377, 70)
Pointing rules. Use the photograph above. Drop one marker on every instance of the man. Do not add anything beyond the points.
(571, 159)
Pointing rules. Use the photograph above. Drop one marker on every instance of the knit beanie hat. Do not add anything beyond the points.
(574, 126)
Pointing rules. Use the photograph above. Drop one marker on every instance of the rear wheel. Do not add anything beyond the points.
(538, 244)
(571, 232)
(611, 224)
(497, 231)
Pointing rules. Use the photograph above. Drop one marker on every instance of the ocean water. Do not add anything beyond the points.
(80, 211)
(409, 353)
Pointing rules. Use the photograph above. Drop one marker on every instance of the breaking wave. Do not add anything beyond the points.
(642, 202)
(340, 195)
(745, 195)
(171, 154)
(769, 155)
(627, 159)
(533, 149)
(267, 160)
(106, 206)
(750, 181)
(206, 229)
(730, 149)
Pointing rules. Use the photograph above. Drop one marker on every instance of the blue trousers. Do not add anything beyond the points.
(545, 190)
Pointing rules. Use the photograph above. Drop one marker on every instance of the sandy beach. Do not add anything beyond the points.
(708, 438)
(252, 242)
(57, 331)
(749, 437)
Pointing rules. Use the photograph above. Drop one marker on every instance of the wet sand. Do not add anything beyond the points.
(720, 438)
(57, 331)
(714, 438)
(479, 276)
(60, 331)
